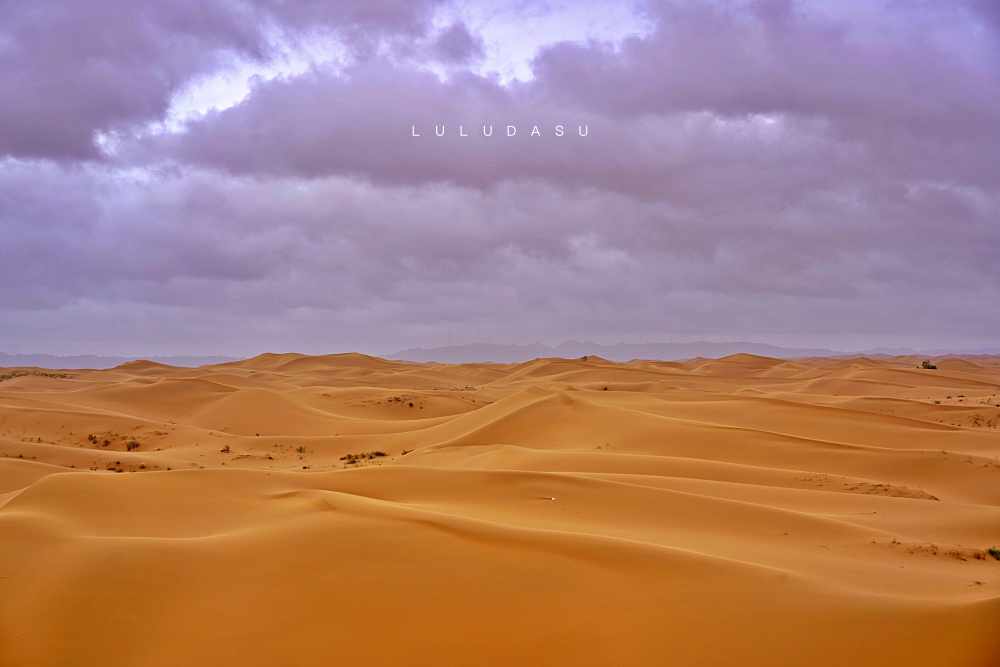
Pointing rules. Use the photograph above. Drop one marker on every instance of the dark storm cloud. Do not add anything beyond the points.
(70, 69)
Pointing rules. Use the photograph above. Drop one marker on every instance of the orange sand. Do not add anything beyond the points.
(741, 511)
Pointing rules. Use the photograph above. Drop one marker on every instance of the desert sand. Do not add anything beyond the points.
(740, 511)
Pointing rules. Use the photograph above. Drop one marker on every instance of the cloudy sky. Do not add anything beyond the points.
(240, 176)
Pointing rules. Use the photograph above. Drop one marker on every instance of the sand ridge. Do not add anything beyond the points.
(344, 509)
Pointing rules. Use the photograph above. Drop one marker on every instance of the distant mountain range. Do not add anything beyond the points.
(92, 361)
(510, 354)
(513, 354)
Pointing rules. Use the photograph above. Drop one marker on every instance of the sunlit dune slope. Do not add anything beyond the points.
(347, 510)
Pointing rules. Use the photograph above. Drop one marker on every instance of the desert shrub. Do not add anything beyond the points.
(995, 552)
(132, 444)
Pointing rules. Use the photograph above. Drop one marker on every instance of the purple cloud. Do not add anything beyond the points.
(68, 70)
(698, 93)
(457, 45)
(803, 168)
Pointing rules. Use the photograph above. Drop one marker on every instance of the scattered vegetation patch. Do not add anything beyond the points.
(893, 490)
(132, 444)
(977, 421)
(21, 374)
(97, 440)
(224, 450)
(408, 400)
(362, 456)
(930, 549)
(928, 365)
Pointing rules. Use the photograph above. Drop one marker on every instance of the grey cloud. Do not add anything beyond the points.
(268, 250)
(989, 12)
(886, 79)
(70, 69)
(406, 16)
(457, 45)
(360, 122)
(741, 94)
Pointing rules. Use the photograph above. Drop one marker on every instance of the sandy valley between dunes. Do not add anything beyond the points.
(741, 511)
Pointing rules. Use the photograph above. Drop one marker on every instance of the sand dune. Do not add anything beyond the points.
(743, 511)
